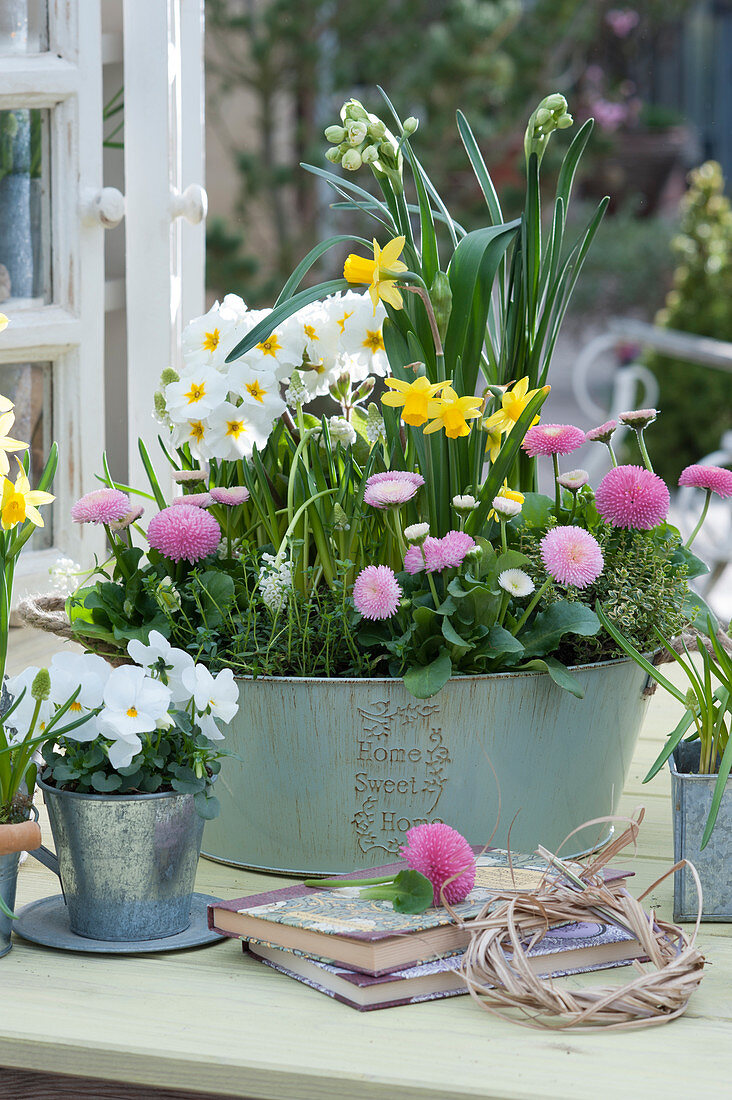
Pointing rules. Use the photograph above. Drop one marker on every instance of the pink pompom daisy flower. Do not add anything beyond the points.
(715, 479)
(101, 506)
(235, 494)
(396, 475)
(193, 500)
(455, 545)
(572, 556)
(631, 496)
(414, 561)
(376, 592)
(389, 494)
(602, 433)
(552, 439)
(184, 533)
(439, 852)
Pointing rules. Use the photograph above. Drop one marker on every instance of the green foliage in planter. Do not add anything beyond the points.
(696, 400)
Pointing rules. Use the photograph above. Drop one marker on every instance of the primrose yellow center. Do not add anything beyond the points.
(342, 321)
(310, 332)
(132, 712)
(75, 706)
(14, 510)
(197, 430)
(196, 392)
(235, 428)
(211, 340)
(270, 346)
(374, 341)
(255, 390)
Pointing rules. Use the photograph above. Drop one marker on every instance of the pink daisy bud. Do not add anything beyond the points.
(572, 555)
(184, 533)
(455, 545)
(439, 852)
(132, 516)
(193, 500)
(396, 475)
(552, 439)
(101, 506)
(376, 592)
(631, 496)
(235, 494)
(430, 551)
(573, 479)
(603, 433)
(182, 476)
(389, 494)
(713, 478)
(638, 419)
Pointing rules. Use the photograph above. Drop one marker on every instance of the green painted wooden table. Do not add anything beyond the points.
(209, 1021)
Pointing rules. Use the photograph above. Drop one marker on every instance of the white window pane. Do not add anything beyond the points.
(25, 230)
(28, 386)
(23, 26)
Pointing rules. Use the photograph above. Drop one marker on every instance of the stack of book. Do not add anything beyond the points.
(366, 955)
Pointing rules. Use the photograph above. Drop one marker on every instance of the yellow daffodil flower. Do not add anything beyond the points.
(513, 403)
(4, 321)
(493, 443)
(19, 502)
(413, 396)
(510, 494)
(7, 419)
(452, 413)
(380, 273)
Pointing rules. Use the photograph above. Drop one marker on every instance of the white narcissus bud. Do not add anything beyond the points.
(351, 160)
(356, 132)
(334, 155)
(370, 154)
(335, 134)
(410, 125)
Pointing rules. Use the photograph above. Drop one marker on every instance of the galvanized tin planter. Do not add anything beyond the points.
(127, 863)
(691, 797)
(332, 773)
(8, 883)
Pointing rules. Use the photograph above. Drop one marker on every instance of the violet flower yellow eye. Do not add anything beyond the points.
(379, 273)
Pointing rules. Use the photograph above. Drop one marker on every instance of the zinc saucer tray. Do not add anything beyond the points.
(46, 922)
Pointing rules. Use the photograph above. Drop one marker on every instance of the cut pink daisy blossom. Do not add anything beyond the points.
(193, 500)
(552, 439)
(454, 546)
(715, 479)
(376, 592)
(572, 555)
(184, 533)
(135, 513)
(101, 506)
(439, 852)
(236, 494)
(396, 475)
(631, 496)
(414, 562)
(389, 494)
(603, 433)
(638, 419)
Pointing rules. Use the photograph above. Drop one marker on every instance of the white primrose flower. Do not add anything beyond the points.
(207, 340)
(233, 430)
(217, 696)
(260, 389)
(198, 390)
(277, 353)
(198, 435)
(164, 661)
(134, 703)
(361, 341)
(516, 582)
(310, 337)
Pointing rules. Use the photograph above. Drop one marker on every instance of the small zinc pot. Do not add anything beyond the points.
(691, 798)
(8, 883)
(328, 775)
(127, 863)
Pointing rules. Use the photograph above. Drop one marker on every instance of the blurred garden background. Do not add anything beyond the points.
(656, 76)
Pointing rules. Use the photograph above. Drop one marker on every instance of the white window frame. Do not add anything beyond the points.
(69, 332)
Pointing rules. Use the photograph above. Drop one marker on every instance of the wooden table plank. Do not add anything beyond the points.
(211, 1021)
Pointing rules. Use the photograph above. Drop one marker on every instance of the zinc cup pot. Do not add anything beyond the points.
(328, 775)
(8, 883)
(691, 798)
(127, 863)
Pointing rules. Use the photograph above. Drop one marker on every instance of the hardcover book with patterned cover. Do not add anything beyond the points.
(368, 935)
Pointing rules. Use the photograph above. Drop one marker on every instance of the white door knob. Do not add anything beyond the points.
(191, 204)
(105, 207)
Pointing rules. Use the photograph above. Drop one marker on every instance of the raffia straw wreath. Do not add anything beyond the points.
(496, 964)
